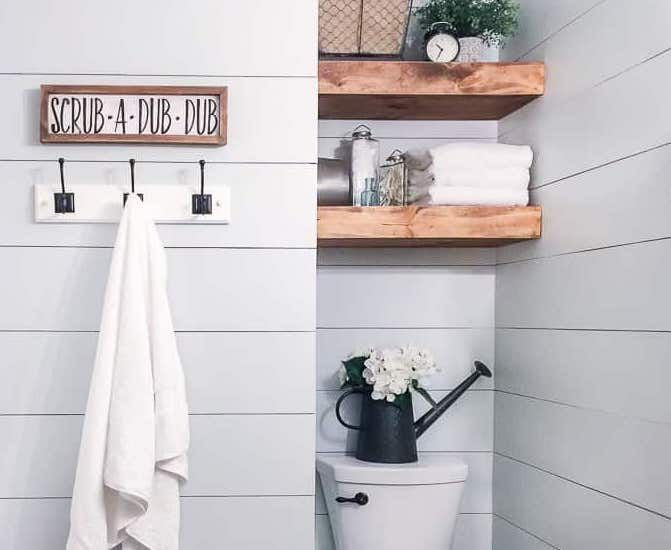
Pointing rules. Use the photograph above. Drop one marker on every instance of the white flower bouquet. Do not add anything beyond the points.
(391, 373)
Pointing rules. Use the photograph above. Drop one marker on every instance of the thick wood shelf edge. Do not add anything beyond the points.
(426, 226)
(400, 90)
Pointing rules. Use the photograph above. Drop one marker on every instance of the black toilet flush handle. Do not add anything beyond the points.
(360, 498)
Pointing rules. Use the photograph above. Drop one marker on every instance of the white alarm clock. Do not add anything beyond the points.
(440, 45)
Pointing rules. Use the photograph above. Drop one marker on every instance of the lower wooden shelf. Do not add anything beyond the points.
(417, 226)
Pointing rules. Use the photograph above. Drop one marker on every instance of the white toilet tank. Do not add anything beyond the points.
(399, 506)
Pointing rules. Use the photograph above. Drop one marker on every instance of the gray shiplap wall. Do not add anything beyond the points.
(242, 295)
(582, 414)
(438, 298)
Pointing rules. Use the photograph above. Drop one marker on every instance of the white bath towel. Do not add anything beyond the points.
(463, 196)
(467, 154)
(485, 178)
(132, 456)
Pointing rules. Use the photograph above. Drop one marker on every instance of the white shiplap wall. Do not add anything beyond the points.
(242, 295)
(583, 417)
(442, 299)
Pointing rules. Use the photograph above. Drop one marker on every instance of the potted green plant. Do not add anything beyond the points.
(475, 23)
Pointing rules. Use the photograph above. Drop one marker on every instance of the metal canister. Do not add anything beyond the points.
(333, 188)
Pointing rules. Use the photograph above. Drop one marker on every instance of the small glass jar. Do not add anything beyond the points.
(393, 180)
(370, 196)
(365, 161)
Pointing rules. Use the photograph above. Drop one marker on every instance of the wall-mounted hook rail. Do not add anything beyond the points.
(132, 182)
(201, 203)
(64, 203)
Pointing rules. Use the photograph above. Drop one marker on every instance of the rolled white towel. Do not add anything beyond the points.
(469, 154)
(465, 196)
(485, 178)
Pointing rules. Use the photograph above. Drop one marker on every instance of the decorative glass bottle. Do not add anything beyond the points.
(370, 196)
(365, 161)
(393, 180)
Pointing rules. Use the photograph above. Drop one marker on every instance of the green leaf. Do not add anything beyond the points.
(403, 401)
(354, 368)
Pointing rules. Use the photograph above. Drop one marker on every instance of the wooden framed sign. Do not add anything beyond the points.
(133, 114)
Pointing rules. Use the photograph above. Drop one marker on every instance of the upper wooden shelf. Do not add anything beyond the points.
(417, 90)
(414, 226)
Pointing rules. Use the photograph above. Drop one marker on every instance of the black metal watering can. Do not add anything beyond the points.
(388, 432)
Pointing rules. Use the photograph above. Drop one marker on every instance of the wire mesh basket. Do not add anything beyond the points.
(363, 27)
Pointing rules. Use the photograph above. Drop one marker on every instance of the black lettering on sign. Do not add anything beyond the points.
(66, 101)
(56, 126)
(100, 118)
(212, 119)
(201, 114)
(154, 112)
(120, 117)
(189, 115)
(76, 112)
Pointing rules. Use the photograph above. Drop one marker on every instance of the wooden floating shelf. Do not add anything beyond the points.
(416, 90)
(417, 226)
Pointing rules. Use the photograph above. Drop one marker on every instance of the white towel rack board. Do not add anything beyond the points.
(103, 203)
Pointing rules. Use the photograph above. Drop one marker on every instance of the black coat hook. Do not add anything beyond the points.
(132, 182)
(64, 203)
(201, 203)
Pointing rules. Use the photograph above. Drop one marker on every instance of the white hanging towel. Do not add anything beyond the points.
(136, 431)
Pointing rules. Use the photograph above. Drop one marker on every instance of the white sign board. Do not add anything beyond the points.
(135, 114)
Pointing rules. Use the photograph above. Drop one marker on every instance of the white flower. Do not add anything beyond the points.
(391, 371)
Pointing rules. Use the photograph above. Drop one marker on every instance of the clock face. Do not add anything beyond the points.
(442, 48)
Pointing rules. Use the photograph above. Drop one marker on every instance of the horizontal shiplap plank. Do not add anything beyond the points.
(616, 288)
(233, 522)
(260, 113)
(617, 455)
(645, 32)
(624, 202)
(626, 373)
(569, 516)
(599, 125)
(507, 536)
(540, 20)
(230, 40)
(406, 256)
(477, 497)
(454, 351)
(467, 426)
(278, 377)
(229, 455)
(396, 297)
(472, 532)
(209, 289)
(283, 196)
(412, 129)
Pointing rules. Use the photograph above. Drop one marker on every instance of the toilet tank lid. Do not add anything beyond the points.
(429, 469)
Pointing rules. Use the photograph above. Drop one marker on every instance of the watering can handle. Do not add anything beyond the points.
(339, 402)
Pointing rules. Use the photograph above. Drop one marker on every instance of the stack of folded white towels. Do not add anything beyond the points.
(467, 173)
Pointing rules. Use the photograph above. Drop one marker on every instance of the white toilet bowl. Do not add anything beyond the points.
(398, 506)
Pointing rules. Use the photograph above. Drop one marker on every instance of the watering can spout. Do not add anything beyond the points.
(433, 414)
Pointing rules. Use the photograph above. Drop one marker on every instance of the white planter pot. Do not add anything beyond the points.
(471, 50)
